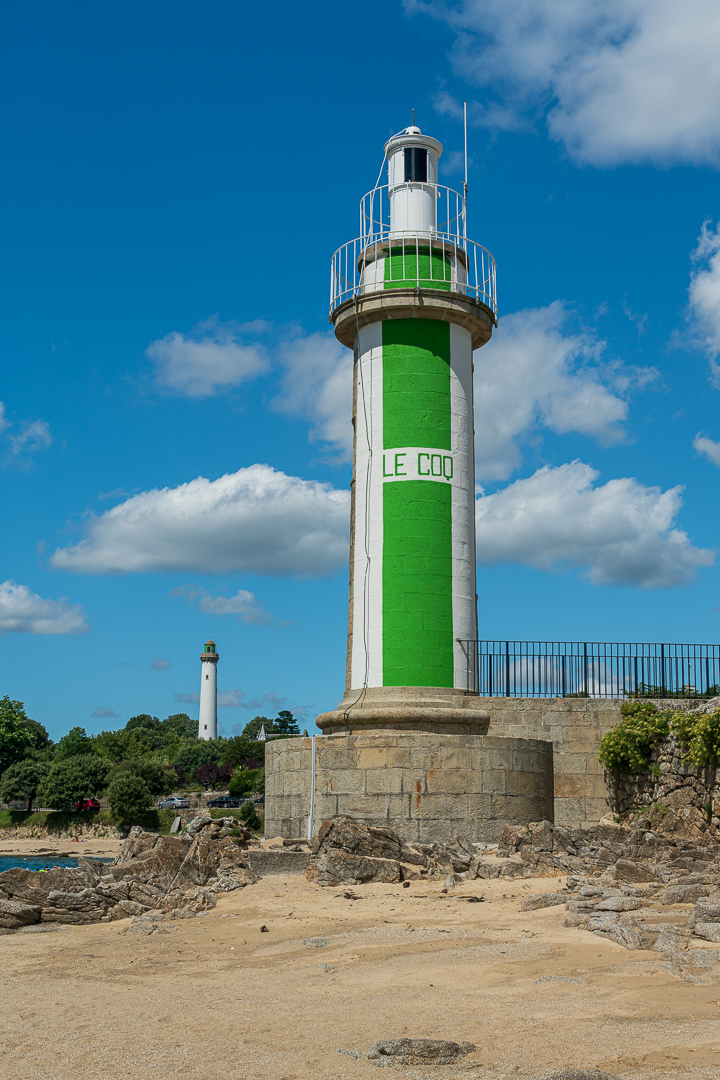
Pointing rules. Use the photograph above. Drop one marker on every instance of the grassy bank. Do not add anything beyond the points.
(55, 821)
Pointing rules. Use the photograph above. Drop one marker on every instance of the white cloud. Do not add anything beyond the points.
(710, 449)
(619, 80)
(620, 533)
(257, 520)
(230, 699)
(25, 612)
(243, 605)
(704, 296)
(158, 664)
(219, 357)
(535, 373)
(103, 713)
(317, 386)
(32, 436)
(188, 699)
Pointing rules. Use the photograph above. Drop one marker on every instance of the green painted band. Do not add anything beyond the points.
(417, 516)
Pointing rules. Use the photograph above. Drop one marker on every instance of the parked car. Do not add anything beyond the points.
(225, 802)
(174, 802)
(87, 804)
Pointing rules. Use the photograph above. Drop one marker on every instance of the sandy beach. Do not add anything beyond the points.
(339, 969)
(105, 847)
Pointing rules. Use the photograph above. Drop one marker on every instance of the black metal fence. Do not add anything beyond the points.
(591, 669)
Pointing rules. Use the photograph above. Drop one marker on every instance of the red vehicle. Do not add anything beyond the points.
(87, 804)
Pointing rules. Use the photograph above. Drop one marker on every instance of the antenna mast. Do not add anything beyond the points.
(465, 182)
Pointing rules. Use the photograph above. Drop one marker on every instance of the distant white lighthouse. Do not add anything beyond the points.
(207, 728)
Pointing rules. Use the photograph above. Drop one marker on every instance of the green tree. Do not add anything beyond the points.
(39, 734)
(158, 778)
(198, 752)
(144, 730)
(252, 728)
(16, 738)
(181, 725)
(75, 742)
(73, 779)
(246, 780)
(129, 798)
(286, 724)
(22, 780)
(243, 751)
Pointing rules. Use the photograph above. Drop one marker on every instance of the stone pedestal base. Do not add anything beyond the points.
(403, 708)
(426, 786)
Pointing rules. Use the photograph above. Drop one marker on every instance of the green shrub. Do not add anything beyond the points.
(627, 748)
(129, 798)
(246, 780)
(699, 737)
(249, 815)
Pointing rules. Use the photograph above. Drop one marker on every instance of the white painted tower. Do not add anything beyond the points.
(207, 728)
(413, 297)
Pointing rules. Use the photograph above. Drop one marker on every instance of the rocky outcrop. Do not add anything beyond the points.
(640, 889)
(349, 852)
(180, 876)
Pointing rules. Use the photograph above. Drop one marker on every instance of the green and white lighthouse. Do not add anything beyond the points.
(413, 297)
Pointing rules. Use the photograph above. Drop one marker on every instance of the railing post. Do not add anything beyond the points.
(507, 669)
(564, 675)
(662, 668)
(585, 678)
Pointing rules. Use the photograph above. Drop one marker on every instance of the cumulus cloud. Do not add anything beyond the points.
(243, 605)
(618, 80)
(704, 297)
(188, 699)
(257, 520)
(620, 533)
(536, 372)
(103, 713)
(706, 446)
(158, 664)
(220, 356)
(317, 386)
(230, 699)
(24, 612)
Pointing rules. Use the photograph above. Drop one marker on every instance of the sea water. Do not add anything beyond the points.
(40, 862)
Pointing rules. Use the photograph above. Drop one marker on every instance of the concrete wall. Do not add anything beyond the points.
(426, 786)
(575, 727)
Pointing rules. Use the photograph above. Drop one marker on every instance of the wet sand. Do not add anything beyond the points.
(218, 998)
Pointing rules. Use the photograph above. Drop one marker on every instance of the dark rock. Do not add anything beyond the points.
(349, 852)
(581, 1074)
(14, 914)
(419, 1052)
(542, 900)
(357, 838)
(340, 868)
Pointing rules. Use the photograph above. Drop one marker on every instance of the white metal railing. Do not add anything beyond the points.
(375, 211)
(420, 262)
(443, 258)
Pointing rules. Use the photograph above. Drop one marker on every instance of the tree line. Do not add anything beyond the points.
(131, 767)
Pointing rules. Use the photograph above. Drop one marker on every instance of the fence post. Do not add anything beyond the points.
(507, 669)
(585, 678)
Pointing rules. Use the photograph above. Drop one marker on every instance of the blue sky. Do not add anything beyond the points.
(176, 414)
